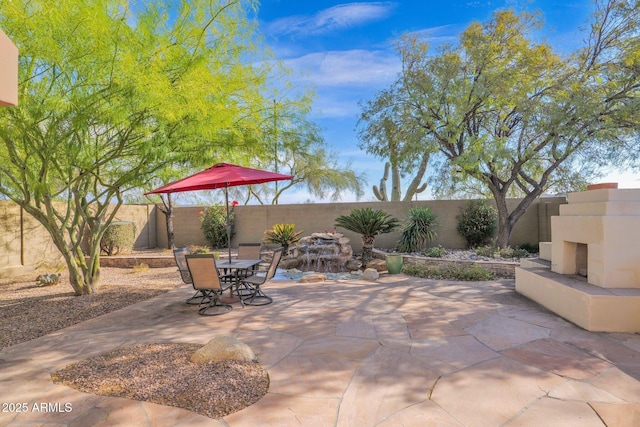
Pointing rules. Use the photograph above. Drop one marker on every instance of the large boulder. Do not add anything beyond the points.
(370, 274)
(378, 264)
(289, 263)
(353, 265)
(313, 278)
(223, 348)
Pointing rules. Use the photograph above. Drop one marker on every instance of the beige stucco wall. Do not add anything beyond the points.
(8, 71)
(252, 221)
(25, 245)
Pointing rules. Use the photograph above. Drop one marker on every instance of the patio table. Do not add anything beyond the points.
(236, 266)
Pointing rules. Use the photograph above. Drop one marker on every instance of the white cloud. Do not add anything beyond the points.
(353, 68)
(334, 18)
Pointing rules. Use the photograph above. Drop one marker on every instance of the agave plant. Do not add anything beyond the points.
(369, 224)
(419, 228)
(283, 234)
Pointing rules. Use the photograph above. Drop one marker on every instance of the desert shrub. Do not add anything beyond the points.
(530, 248)
(142, 267)
(466, 272)
(48, 279)
(213, 223)
(486, 250)
(477, 222)
(195, 249)
(510, 252)
(435, 252)
(118, 237)
(282, 234)
(419, 228)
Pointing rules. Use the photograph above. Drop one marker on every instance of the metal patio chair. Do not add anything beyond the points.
(179, 255)
(254, 282)
(204, 275)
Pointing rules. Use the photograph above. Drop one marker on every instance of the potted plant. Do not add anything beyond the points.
(394, 263)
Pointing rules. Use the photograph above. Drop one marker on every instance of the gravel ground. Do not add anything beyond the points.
(162, 372)
(166, 376)
(29, 311)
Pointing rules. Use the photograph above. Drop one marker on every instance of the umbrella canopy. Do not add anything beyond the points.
(221, 175)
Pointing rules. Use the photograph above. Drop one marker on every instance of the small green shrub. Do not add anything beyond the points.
(530, 248)
(48, 279)
(435, 252)
(196, 250)
(465, 272)
(118, 237)
(477, 222)
(213, 223)
(142, 267)
(282, 234)
(510, 252)
(486, 250)
(419, 229)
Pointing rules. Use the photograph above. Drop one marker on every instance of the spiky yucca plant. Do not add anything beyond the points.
(282, 234)
(419, 228)
(368, 223)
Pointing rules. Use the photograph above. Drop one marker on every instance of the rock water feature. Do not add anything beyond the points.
(322, 252)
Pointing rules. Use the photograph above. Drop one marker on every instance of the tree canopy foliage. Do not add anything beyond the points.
(505, 110)
(112, 93)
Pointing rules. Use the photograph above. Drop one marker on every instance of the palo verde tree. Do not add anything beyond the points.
(111, 93)
(508, 112)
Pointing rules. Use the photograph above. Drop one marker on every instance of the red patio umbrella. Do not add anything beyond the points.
(221, 175)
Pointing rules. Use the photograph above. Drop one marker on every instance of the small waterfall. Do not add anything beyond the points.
(323, 252)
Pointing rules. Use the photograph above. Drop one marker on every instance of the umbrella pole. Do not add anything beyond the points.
(226, 199)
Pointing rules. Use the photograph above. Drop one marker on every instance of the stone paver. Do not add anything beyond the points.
(396, 351)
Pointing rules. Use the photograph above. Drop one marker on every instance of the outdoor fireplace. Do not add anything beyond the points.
(590, 271)
(597, 234)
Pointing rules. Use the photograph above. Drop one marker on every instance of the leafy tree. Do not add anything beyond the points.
(112, 93)
(295, 146)
(509, 113)
(368, 223)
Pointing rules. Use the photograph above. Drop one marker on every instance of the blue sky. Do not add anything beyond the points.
(345, 51)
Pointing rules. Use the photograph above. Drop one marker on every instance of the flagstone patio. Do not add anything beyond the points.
(398, 351)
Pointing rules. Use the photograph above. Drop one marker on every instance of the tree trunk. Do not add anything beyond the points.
(168, 217)
(504, 223)
(367, 248)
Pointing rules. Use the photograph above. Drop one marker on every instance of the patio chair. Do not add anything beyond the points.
(179, 255)
(245, 251)
(204, 275)
(249, 251)
(254, 282)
